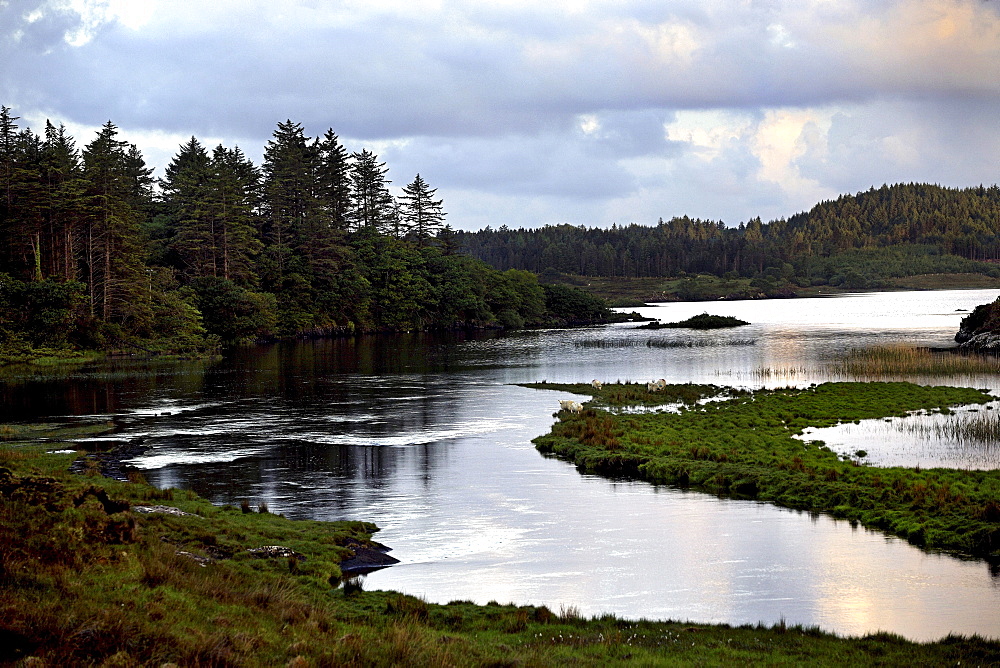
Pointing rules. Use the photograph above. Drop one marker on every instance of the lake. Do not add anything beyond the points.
(428, 437)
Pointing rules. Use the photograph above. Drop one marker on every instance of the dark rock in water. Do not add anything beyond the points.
(980, 330)
(367, 558)
(111, 464)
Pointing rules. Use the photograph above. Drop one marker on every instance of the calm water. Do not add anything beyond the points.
(428, 438)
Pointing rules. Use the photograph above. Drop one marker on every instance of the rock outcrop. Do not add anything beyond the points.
(980, 330)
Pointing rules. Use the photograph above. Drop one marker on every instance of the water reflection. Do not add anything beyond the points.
(964, 438)
(425, 436)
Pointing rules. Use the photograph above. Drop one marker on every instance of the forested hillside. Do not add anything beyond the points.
(929, 228)
(95, 254)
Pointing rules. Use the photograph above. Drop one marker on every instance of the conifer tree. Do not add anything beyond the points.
(185, 186)
(422, 215)
(372, 201)
(288, 195)
(233, 200)
(333, 180)
(113, 266)
(62, 194)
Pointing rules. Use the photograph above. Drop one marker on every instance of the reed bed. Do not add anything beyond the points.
(662, 343)
(901, 360)
(981, 428)
(767, 372)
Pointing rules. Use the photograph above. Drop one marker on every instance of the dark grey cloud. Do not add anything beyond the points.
(512, 165)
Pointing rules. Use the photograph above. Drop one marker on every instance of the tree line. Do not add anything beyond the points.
(95, 253)
(936, 222)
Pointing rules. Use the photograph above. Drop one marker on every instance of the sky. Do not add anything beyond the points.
(525, 112)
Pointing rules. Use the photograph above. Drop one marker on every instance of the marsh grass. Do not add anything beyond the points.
(765, 373)
(746, 447)
(981, 428)
(631, 394)
(899, 360)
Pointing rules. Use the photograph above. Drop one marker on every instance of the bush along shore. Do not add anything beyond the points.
(745, 446)
(95, 571)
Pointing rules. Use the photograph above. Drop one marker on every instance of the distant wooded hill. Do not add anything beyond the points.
(898, 230)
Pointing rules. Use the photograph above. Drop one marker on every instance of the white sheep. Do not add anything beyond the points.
(661, 384)
(566, 404)
(596, 384)
(652, 387)
(575, 407)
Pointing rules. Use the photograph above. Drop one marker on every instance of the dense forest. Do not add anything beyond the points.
(895, 230)
(94, 253)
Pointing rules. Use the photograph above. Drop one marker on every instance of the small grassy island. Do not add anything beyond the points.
(703, 321)
(744, 446)
(89, 576)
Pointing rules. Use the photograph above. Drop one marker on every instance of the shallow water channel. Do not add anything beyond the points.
(428, 438)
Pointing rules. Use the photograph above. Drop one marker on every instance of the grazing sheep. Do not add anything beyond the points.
(661, 384)
(566, 404)
(652, 387)
(596, 384)
(575, 407)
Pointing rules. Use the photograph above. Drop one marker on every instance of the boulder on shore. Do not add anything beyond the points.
(980, 330)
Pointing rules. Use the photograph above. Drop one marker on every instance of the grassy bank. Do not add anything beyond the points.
(46, 356)
(631, 292)
(744, 446)
(86, 579)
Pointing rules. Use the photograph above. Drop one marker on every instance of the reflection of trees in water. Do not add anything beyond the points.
(291, 370)
(303, 369)
(306, 479)
(101, 388)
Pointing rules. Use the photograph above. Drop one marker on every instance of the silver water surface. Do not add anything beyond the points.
(430, 440)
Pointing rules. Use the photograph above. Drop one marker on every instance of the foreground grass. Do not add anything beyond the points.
(745, 447)
(86, 580)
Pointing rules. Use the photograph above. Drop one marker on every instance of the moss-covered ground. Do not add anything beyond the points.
(745, 446)
(85, 579)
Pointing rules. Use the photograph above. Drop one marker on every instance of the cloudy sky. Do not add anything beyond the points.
(529, 112)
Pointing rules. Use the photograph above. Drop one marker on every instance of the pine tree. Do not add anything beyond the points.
(233, 200)
(8, 158)
(333, 180)
(63, 188)
(185, 187)
(372, 202)
(422, 215)
(115, 274)
(289, 200)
